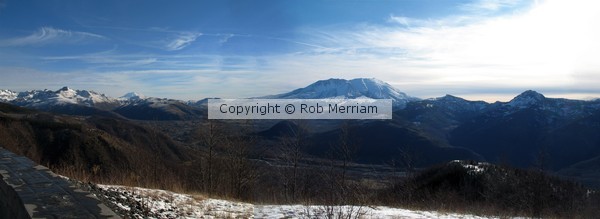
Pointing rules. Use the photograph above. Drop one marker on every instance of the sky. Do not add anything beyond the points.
(477, 49)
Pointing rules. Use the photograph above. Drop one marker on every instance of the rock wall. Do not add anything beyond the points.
(28, 190)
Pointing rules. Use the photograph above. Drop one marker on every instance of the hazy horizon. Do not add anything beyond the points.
(487, 97)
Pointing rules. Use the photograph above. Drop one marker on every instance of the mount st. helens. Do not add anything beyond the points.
(370, 88)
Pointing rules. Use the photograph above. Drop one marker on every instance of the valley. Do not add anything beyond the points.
(170, 144)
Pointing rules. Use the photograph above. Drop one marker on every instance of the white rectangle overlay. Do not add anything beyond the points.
(299, 109)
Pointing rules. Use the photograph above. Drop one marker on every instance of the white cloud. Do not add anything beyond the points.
(541, 47)
(182, 40)
(406, 21)
(48, 35)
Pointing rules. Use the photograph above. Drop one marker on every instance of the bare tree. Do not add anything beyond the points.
(211, 136)
(345, 149)
(153, 158)
(542, 159)
(242, 171)
(408, 157)
(539, 182)
(341, 155)
(292, 151)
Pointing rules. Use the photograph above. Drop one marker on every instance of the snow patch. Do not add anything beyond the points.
(166, 204)
(472, 167)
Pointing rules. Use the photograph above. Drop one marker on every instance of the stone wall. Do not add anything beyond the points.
(10, 203)
(28, 190)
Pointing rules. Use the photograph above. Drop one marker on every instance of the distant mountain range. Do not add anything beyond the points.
(137, 106)
(83, 102)
(530, 130)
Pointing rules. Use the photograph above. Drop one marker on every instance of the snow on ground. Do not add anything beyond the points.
(301, 211)
(166, 204)
(476, 168)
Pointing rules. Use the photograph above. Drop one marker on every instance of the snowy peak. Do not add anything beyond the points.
(65, 89)
(67, 92)
(527, 98)
(132, 96)
(84, 97)
(349, 89)
(7, 95)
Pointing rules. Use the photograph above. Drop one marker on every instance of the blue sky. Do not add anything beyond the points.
(479, 49)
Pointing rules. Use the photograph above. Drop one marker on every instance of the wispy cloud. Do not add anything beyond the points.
(116, 60)
(109, 58)
(49, 35)
(226, 38)
(182, 40)
(456, 20)
(405, 21)
(475, 11)
(489, 5)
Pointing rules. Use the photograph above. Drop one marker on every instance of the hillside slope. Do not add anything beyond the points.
(101, 148)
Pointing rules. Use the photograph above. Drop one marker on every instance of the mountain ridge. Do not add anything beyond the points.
(67, 100)
(328, 88)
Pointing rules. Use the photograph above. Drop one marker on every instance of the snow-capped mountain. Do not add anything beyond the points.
(348, 89)
(132, 96)
(45, 98)
(86, 103)
(7, 95)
